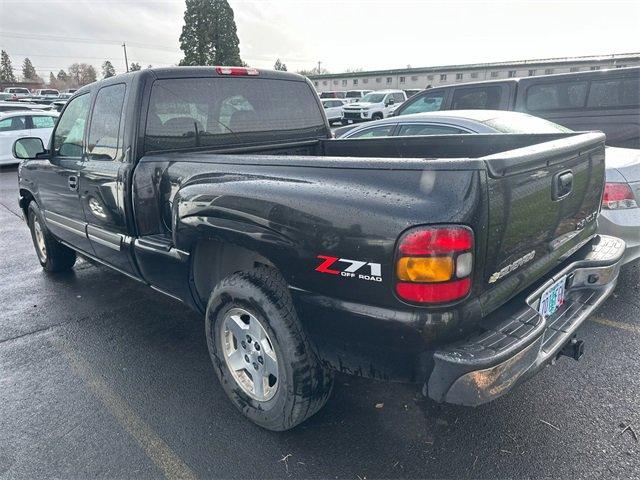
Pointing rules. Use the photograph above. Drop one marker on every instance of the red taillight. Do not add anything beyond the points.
(618, 196)
(237, 71)
(446, 276)
(432, 241)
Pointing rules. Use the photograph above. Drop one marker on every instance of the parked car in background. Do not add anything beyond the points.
(47, 93)
(355, 95)
(373, 106)
(605, 100)
(70, 90)
(333, 108)
(5, 96)
(17, 92)
(12, 106)
(620, 215)
(18, 124)
(333, 95)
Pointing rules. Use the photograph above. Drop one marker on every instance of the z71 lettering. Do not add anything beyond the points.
(375, 269)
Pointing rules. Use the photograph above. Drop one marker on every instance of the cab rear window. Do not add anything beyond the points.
(212, 112)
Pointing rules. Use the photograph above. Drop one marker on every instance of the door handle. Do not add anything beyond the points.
(73, 182)
(563, 185)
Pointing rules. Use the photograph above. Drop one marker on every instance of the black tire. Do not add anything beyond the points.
(56, 257)
(344, 122)
(304, 385)
(377, 116)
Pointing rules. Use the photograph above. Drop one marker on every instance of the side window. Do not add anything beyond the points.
(427, 129)
(619, 92)
(13, 123)
(398, 98)
(381, 131)
(482, 98)
(429, 102)
(556, 96)
(67, 139)
(43, 122)
(104, 132)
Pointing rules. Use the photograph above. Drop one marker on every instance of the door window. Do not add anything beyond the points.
(13, 123)
(428, 129)
(398, 98)
(381, 131)
(67, 139)
(480, 98)
(429, 102)
(43, 122)
(104, 132)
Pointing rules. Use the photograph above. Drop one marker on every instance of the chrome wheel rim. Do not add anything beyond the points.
(41, 248)
(249, 354)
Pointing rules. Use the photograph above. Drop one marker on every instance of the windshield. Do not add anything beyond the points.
(373, 97)
(524, 123)
(354, 94)
(49, 92)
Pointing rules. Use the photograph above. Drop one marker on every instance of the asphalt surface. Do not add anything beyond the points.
(103, 377)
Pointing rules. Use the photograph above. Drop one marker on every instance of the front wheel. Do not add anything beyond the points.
(377, 116)
(261, 354)
(52, 255)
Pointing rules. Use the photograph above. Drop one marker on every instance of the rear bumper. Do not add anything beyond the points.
(517, 344)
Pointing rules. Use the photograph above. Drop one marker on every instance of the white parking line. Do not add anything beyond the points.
(154, 447)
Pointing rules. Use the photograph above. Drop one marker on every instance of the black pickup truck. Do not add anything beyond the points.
(463, 263)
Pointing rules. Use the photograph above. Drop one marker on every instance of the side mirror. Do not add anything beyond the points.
(390, 101)
(28, 148)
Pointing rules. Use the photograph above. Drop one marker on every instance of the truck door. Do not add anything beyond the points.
(102, 180)
(58, 178)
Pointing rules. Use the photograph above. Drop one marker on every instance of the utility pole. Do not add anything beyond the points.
(126, 61)
(319, 64)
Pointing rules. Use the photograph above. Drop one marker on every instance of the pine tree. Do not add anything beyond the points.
(62, 76)
(107, 69)
(6, 70)
(134, 67)
(52, 79)
(280, 66)
(209, 35)
(28, 71)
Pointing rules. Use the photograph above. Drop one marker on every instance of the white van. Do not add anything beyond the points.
(373, 106)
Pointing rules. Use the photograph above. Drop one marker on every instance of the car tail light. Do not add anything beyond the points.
(434, 264)
(618, 196)
(237, 71)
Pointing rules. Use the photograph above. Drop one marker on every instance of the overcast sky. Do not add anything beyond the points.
(366, 34)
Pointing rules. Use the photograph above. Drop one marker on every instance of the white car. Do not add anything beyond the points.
(47, 93)
(373, 106)
(333, 109)
(23, 123)
(17, 92)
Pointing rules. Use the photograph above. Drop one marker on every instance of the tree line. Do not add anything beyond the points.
(209, 37)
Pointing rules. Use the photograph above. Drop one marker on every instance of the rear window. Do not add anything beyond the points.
(208, 112)
(479, 98)
(556, 96)
(49, 92)
(617, 92)
(354, 94)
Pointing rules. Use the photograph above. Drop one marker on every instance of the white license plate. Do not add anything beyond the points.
(552, 298)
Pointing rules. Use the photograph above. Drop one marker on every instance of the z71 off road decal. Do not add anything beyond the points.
(350, 268)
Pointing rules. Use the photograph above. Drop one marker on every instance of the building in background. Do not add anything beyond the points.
(421, 78)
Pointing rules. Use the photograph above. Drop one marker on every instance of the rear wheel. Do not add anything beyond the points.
(261, 355)
(52, 255)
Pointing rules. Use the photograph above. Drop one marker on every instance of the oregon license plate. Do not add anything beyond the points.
(552, 298)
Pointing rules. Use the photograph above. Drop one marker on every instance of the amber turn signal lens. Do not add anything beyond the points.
(425, 269)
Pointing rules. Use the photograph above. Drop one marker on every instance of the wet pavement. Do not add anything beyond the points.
(102, 377)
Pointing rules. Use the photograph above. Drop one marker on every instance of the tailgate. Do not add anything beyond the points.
(543, 204)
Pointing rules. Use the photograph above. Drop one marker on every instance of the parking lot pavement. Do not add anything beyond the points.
(102, 377)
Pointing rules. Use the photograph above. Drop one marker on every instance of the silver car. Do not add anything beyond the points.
(620, 212)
